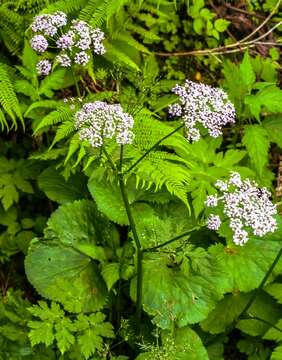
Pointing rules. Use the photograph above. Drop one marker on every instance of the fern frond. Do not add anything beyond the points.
(54, 81)
(63, 131)
(8, 97)
(157, 170)
(11, 28)
(146, 34)
(116, 56)
(49, 104)
(62, 114)
(95, 12)
(3, 121)
(115, 6)
(127, 38)
(148, 131)
(66, 6)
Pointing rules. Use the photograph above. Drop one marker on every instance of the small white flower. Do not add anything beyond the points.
(99, 121)
(212, 201)
(43, 67)
(39, 43)
(246, 207)
(64, 60)
(213, 222)
(221, 185)
(81, 58)
(199, 103)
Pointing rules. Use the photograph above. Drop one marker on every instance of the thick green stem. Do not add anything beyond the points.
(75, 82)
(139, 252)
(152, 148)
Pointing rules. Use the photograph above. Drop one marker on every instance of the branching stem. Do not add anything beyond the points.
(152, 148)
(171, 240)
(255, 293)
(139, 252)
(75, 82)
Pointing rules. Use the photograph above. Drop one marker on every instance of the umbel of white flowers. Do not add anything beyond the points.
(202, 104)
(99, 121)
(247, 208)
(75, 42)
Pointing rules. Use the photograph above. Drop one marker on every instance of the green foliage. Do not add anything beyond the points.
(183, 343)
(13, 179)
(86, 330)
(73, 237)
(8, 99)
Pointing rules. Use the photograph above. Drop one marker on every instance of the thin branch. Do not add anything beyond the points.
(240, 44)
(243, 11)
(264, 35)
(152, 148)
(264, 321)
(171, 240)
(255, 293)
(263, 23)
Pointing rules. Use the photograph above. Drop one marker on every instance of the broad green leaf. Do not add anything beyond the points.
(155, 226)
(257, 143)
(60, 268)
(62, 274)
(254, 348)
(225, 312)
(175, 295)
(63, 335)
(58, 189)
(231, 157)
(247, 73)
(274, 334)
(264, 308)
(109, 200)
(198, 25)
(81, 226)
(243, 268)
(41, 333)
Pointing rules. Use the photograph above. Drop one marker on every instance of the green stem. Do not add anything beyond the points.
(171, 240)
(249, 303)
(120, 158)
(139, 252)
(113, 166)
(152, 148)
(75, 82)
(264, 321)
(255, 293)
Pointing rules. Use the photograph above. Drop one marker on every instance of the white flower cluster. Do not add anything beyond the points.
(246, 207)
(74, 43)
(203, 104)
(99, 121)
